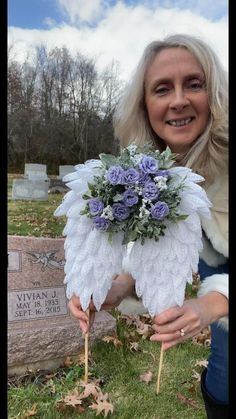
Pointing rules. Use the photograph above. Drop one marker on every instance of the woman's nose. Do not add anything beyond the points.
(179, 100)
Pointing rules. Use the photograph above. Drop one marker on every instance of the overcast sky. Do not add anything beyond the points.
(114, 30)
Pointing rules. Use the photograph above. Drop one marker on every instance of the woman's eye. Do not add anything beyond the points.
(160, 91)
(197, 85)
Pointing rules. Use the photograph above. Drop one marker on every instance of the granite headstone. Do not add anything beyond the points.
(30, 190)
(41, 331)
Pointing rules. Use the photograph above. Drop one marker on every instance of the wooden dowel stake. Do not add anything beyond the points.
(159, 370)
(86, 352)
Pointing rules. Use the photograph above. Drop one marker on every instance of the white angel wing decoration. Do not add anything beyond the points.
(162, 268)
(91, 261)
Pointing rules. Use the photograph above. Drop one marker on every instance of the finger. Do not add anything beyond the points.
(77, 312)
(168, 337)
(83, 326)
(168, 315)
(172, 327)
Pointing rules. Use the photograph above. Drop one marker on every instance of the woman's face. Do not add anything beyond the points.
(176, 98)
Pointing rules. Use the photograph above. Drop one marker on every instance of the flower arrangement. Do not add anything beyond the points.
(138, 213)
(134, 193)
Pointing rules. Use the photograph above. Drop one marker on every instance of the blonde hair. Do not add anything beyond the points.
(208, 155)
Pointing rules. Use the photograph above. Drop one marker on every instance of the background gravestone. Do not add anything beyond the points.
(30, 190)
(34, 171)
(41, 332)
(64, 170)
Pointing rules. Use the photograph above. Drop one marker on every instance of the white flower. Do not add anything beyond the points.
(132, 148)
(107, 213)
(143, 212)
(136, 159)
(161, 182)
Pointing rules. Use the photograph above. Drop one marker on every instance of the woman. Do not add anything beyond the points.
(178, 97)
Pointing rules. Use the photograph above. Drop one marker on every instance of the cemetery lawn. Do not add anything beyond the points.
(118, 364)
(34, 218)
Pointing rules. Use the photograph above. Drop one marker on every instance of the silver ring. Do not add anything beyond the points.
(182, 332)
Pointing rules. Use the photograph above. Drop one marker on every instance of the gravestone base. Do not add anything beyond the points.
(46, 348)
(57, 186)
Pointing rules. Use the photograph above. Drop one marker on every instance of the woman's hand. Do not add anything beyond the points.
(177, 324)
(122, 286)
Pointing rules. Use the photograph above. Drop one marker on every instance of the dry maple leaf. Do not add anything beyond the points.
(102, 407)
(116, 342)
(90, 389)
(186, 400)
(146, 377)
(71, 399)
(31, 412)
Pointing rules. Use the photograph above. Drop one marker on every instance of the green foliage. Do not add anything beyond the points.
(139, 223)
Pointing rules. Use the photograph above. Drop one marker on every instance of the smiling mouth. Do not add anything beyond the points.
(180, 122)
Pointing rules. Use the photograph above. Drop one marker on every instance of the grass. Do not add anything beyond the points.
(34, 218)
(37, 394)
(119, 369)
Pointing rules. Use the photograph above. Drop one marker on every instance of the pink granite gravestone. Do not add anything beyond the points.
(41, 332)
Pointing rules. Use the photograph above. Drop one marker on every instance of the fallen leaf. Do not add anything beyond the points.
(134, 346)
(202, 363)
(32, 411)
(143, 329)
(186, 400)
(203, 338)
(90, 389)
(68, 362)
(193, 388)
(102, 407)
(116, 342)
(129, 320)
(146, 377)
(196, 375)
(72, 399)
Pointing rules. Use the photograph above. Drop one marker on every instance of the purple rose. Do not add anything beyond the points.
(148, 164)
(144, 178)
(115, 175)
(160, 210)
(95, 206)
(120, 211)
(101, 223)
(130, 176)
(150, 191)
(130, 198)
